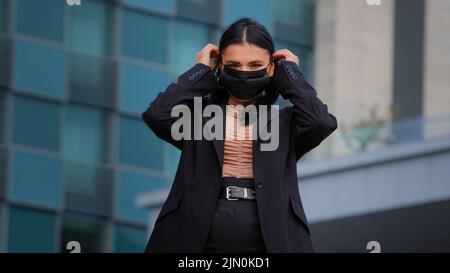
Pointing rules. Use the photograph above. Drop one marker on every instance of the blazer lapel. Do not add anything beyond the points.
(219, 143)
(270, 116)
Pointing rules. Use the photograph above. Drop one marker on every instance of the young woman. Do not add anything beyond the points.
(229, 194)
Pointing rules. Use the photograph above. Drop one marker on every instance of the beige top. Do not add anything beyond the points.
(238, 145)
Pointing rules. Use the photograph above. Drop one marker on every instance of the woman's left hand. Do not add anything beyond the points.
(287, 55)
(284, 54)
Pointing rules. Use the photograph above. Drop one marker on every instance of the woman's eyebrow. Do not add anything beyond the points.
(258, 61)
(233, 62)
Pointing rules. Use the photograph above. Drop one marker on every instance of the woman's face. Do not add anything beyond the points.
(247, 57)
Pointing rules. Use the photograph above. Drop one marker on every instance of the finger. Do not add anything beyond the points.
(211, 46)
(289, 53)
(278, 51)
(207, 48)
(279, 54)
(282, 51)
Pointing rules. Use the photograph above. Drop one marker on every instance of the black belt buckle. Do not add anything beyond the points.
(247, 193)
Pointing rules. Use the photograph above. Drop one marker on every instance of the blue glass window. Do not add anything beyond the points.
(188, 40)
(85, 144)
(144, 37)
(5, 62)
(86, 134)
(260, 10)
(139, 87)
(40, 70)
(138, 145)
(2, 221)
(129, 186)
(129, 239)
(164, 6)
(2, 117)
(36, 179)
(31, 230)
(89, 231)
(36, 123)
(88, 187)
(43, 18)
(3, 16)
(294, 21)
(90, 28)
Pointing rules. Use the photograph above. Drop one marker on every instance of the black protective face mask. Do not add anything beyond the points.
(244, 85)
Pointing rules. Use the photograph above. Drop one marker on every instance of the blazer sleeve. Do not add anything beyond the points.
(311, 122)
(198, 81)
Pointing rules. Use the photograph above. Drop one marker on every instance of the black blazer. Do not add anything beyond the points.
(186, 216)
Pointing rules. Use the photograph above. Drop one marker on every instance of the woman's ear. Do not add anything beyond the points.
(271, 68)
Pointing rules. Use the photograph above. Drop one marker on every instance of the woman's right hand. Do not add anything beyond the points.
(205, 55)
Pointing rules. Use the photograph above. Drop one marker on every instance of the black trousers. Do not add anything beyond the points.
(236, 227)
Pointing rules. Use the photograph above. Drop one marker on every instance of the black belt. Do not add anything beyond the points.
(237, 192)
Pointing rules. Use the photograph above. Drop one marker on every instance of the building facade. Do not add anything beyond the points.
(78, 164)
(74, 154)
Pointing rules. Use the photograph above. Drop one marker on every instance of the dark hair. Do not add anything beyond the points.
(256, 34)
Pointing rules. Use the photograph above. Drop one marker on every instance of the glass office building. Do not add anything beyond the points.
(74, 153)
